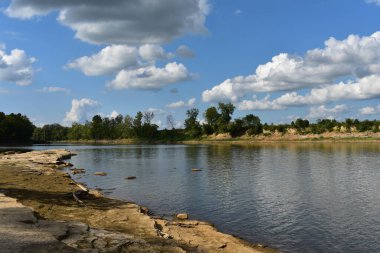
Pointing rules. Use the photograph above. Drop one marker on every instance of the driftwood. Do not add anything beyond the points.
(82, 187)
(77, 199)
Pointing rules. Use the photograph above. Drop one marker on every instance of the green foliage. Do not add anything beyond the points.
(253, 124)
(249, 124)
(53, 132)
(218, 121)
(15, 128)
(192, 126)
(324, 125)
(211, 115)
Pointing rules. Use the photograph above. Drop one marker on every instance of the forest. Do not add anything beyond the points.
(15, 128)
(218, 120)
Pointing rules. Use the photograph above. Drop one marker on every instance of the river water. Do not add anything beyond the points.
(307, 197)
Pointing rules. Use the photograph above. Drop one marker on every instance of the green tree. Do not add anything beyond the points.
(252, 124)
(15, 128)
(137, 124)
(212, 116)
(97, 127)
(192, 126)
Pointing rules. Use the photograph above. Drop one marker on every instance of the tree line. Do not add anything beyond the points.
(15, 128)
(217, 120)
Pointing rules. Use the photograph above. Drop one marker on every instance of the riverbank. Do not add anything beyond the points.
(86, 220)
(329, 137)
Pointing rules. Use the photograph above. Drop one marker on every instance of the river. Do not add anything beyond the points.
(297, 197)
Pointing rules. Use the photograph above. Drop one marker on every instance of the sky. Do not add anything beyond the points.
(63, 61)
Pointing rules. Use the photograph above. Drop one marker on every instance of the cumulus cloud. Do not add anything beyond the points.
(364, 88)
(120, 21)
(355, 57)
(185, 52)
(151, 77)
(109, 60)
(81, 110)
(156, 111)
(113, 114)
(54, 89)
(16, 67)
(153, 52)
(257, 104)
(368, 110)
(181, 104)
(323, 112)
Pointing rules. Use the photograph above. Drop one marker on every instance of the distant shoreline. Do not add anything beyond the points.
(223, 139)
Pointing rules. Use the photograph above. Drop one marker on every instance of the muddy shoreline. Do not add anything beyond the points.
(36, 181)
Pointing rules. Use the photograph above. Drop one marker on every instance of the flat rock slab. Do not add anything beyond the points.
(19, 231)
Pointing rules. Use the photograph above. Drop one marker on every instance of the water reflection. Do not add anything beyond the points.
(299, 197)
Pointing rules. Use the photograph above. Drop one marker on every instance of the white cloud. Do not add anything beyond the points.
(153, 52)
(120, 21)
(364, 88)
(133, 65)
(368, 110)
(181, 104)
(377, 2)
(151, 77)
(263, 104)
(109, 60)
(157, 112)
(238, 12)
(323, 112)
(113, 114)
(354, 57)
(81, 110)
(16, 67)
(185, 52)
(54, 89)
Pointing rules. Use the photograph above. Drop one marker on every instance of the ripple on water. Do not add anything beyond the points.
(297, 197)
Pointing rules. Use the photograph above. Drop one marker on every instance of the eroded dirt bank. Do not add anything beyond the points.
(86, 221)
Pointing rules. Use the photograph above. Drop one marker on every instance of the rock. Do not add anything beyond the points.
(182, 216)
(96, 193)
(195, 169)
(222, 246)
(77, 171)
(100, 174)
(66, 175)
(131, 178)
(9, 152)
(144, 210)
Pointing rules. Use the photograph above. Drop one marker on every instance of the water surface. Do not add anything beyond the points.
(319, 197)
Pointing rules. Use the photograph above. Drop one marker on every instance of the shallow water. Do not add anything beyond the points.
(318, 197)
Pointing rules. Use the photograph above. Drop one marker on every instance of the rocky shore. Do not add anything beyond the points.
(43, 210)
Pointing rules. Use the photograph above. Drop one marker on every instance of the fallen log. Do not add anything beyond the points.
(77, 199)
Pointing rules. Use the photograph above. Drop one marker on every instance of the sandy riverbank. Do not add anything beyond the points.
(99, 224)
(327, 137)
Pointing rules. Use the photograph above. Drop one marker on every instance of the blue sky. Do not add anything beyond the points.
(64, 61)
